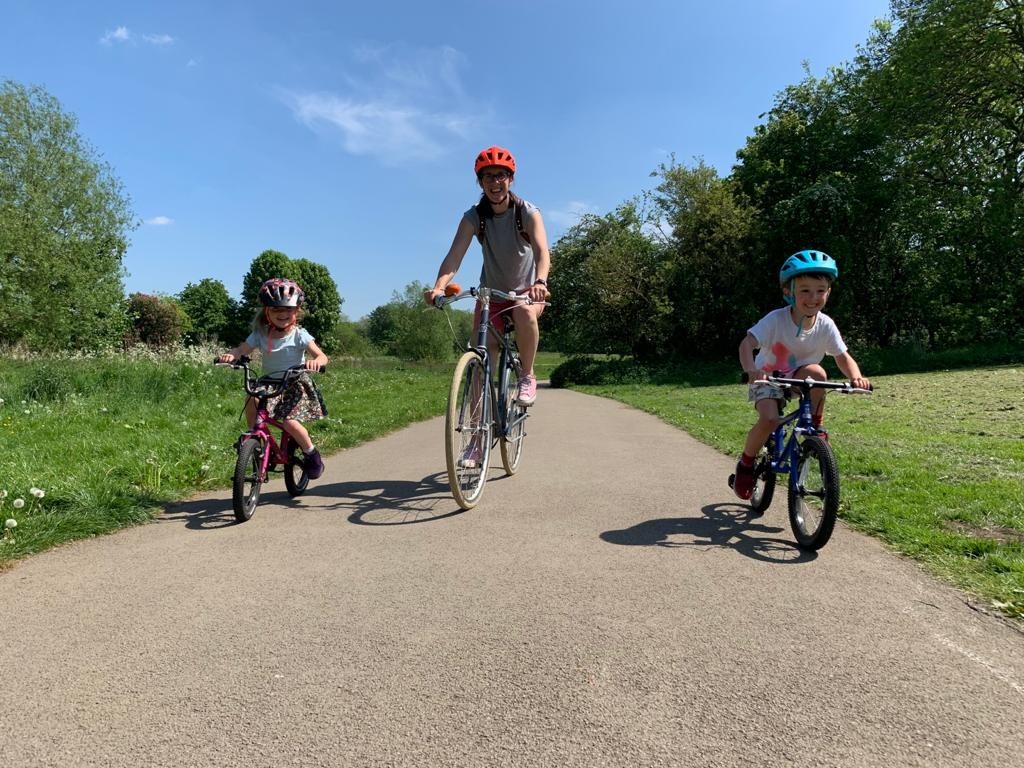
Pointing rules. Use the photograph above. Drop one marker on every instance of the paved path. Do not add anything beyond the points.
(608, 606)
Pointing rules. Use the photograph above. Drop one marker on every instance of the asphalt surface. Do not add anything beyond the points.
(610, 605)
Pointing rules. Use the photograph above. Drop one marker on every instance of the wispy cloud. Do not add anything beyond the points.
(159, 221)
(158, 39)
(570, 215)
(119, 35)
(398, 106)
(125, 35)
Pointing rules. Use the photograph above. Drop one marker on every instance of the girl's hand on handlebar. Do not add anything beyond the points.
(861, 383)
(227, 357)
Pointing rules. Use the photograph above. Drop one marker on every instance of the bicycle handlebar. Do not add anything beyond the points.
(442, 301)
(271, 384)
(843, 387)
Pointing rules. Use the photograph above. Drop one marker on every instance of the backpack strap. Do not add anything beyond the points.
(485, 212)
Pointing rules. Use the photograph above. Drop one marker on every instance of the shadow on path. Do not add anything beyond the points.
(383, 502)
(390, 502)
(720, 525)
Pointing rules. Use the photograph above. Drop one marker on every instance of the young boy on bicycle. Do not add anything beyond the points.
(791, 340)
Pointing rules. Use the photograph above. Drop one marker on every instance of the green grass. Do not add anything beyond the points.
(109, 442)
(932, 463)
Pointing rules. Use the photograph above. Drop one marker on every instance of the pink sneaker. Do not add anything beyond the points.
(527, 394)
(471, 457)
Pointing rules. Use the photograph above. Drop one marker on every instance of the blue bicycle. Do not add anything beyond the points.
(799, 449)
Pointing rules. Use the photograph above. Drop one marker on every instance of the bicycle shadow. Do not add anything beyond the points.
(212, 514)
(391, 502)
(720, 525)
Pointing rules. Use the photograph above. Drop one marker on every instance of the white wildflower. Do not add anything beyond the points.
(205, 468)
(37, 492)
(18, 503)
(3, 494)
(11, 523)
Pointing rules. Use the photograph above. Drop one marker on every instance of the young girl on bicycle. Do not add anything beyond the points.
(792, 340)
(282, 343)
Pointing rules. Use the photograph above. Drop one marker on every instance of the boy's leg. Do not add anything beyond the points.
(817, 373)
(767, 420)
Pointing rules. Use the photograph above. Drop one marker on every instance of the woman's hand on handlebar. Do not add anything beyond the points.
(538, 293)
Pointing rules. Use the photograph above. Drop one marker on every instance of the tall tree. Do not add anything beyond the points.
(64, 222)
(210, 309)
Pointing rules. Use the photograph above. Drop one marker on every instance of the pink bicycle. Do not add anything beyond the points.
(259, 453)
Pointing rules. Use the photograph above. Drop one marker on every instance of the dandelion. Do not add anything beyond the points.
(3, 494)
(205, 468)
(18, 503)
(37, 492)
(11, 523)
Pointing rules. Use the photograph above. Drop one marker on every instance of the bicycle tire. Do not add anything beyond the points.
(467, 420)
(295, 478)
(814, 494)
(515, 414)
(764, 479)
(245, 491)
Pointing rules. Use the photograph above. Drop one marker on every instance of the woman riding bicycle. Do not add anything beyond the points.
(516, 258)
(283, 343)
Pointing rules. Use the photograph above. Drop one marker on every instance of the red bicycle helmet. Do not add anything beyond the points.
(498, 156)
(280, 292)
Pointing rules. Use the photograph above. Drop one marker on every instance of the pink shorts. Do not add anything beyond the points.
(498, 311)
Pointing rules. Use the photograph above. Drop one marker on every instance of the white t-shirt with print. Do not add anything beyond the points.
(784, 346)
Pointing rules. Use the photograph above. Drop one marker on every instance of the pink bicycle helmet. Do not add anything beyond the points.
(280, 292)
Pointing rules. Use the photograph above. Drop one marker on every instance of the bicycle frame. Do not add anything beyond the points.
(496, 400)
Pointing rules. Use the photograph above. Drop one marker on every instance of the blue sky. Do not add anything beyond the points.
(345, 133)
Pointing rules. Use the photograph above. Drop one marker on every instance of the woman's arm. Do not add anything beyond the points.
(453, 260)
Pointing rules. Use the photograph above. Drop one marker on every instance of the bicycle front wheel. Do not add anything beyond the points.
(295, 478)
(468, 431)
(245, 491)
(814, 494)
(515, 420)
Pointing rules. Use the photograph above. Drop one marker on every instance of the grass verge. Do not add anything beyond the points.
(932, 463)
(95, 445)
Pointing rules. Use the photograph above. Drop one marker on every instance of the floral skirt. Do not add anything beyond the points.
(302, 401)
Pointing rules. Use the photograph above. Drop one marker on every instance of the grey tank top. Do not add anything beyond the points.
(508, 258)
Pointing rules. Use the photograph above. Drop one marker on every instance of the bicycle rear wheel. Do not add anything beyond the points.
(764, 479)
(245, 491)
(295, 478)
(515, 420)
(814, 494)
(468, 431)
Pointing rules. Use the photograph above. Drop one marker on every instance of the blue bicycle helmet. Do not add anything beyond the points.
(808, 263)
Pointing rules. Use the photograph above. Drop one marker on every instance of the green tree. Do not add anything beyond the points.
(64, 221)
(157, 321)
(407, 328)
(210, 309)
(323, 302)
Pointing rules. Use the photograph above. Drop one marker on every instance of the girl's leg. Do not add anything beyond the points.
(299, 432)
(250, 412)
